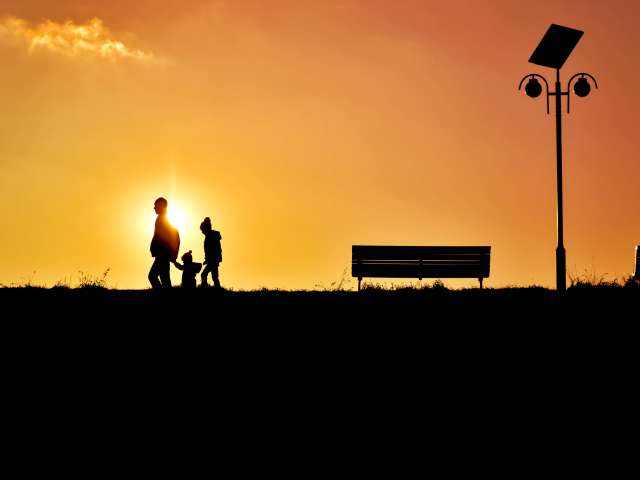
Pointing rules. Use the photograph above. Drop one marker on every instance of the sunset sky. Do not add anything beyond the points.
(304, 127)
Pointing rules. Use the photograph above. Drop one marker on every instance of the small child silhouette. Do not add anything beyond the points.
(212, 253)
(189, 270)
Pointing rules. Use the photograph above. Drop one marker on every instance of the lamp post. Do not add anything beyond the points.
(552, 51)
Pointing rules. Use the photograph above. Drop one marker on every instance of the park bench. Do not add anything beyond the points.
(636, 275)
(419, 262)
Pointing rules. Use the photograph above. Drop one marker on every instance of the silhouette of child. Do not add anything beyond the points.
(212, 253)
(189, 270)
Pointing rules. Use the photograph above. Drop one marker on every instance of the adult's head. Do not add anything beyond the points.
(160, 205)
(205, 226)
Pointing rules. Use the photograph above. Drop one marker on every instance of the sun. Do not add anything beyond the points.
(177, 216)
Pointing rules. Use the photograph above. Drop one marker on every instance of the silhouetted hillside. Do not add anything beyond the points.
(378, 368)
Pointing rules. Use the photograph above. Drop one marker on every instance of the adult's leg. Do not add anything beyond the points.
(154, 274)
(165, 274)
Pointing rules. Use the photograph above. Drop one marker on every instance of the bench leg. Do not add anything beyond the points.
(481, 279)
(359, 280)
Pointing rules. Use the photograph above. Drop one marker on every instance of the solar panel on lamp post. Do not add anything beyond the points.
(553, 51)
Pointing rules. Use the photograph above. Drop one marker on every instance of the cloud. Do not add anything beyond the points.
(71, 39)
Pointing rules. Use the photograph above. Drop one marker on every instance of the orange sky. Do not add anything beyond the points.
(302, 128)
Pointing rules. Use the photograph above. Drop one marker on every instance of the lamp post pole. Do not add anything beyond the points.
(552, 51)
(561, 258)
(581, 89)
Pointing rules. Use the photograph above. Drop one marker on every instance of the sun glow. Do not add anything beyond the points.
(177, 216)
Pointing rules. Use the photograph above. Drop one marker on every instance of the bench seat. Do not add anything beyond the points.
(420, 262)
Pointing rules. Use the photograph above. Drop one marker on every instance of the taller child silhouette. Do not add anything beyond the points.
(165, 245)
(212, 253)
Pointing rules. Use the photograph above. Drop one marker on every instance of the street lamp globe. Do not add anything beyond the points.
(533, 88)
(582, 87)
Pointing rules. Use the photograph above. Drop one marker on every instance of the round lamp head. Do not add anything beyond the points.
(533, 88)
(582, 87)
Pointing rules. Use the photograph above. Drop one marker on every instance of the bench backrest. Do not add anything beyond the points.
(636, 275)
(420, 262)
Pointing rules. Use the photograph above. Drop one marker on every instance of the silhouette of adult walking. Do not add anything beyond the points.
(165, 245)
(212, 253)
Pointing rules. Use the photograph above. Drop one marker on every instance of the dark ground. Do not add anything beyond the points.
(403, 321)
(508, 381)
(429, 306)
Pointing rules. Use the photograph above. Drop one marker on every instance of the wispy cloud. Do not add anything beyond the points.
(72, 39)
